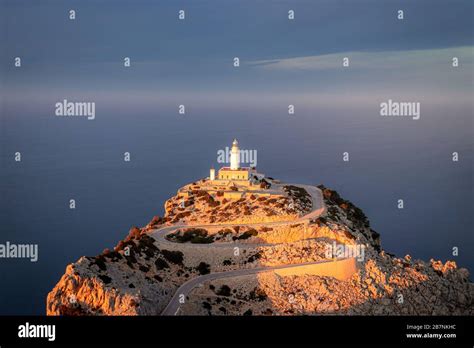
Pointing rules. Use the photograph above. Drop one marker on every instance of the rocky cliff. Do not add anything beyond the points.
(142, 273)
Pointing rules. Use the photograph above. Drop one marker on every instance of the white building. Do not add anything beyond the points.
(235, 156)
(235, 172)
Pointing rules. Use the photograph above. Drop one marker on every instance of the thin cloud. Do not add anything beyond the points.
(371, 60)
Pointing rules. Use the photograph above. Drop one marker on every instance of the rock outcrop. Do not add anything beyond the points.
(142, 273)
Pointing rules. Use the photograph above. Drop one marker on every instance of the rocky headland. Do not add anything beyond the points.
(214, 255)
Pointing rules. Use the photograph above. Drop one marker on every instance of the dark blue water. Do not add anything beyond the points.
(83, 160)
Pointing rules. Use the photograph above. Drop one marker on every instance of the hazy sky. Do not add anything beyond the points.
(192, 59)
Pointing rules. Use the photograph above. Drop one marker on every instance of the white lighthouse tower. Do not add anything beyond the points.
(212, 174)
(234, 156)
(235, 174)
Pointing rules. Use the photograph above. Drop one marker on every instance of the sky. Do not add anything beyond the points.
(191, 60)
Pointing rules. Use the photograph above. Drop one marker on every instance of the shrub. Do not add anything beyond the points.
(222, 234)
(200, 193)
(120, 245)
(223, 291)
(225, 232)
(157, 220)
(258, 294)
(130, 264)
(181, 215)
(100, 262)
(248, 234)
(131, 258)
(147, 246)
(105, 279)
(299, 194)
(321, 221)
(75, 310)
(175, 257)
(143, 268)
(134, 233)
(193, 235)
(254, 257)
(203, 268)
(113, 255)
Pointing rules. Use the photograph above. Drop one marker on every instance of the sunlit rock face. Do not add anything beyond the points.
(142, 273)
(203, 202)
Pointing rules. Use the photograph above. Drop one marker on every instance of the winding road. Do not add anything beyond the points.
(318, 209)
(340, 268)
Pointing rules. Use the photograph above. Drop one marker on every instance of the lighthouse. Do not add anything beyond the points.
(212, 174)
(235, 156)
(235, 174)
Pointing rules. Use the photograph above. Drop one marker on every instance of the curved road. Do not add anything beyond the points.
(318, 209)
(173, 306)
